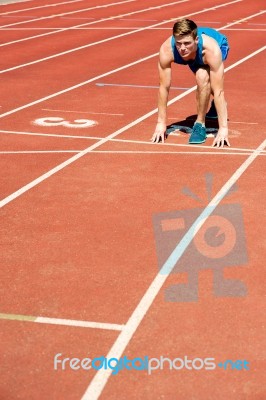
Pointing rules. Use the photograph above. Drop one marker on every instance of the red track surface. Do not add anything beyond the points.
(78, 243)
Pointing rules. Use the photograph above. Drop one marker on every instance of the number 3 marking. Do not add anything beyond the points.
(57, 121)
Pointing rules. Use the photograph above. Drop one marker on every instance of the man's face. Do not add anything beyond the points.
(186, 46)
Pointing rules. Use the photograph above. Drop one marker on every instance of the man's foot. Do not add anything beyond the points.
(212, 113)
(198, 134)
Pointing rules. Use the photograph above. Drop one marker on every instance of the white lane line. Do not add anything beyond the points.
(80, 112)
(3, 3)
(24, 29)
(83, 324)
(131, 152)
(67, 13)
(243, 122)
(76, 18)
(131, 141)
(139, 20)
(245, 29)
(175, 152)
(62, 321)
(137, 86)
(100, 379)
(229, 121)
(35, 8)
(39, 151)
(208, 22)
(24, 16)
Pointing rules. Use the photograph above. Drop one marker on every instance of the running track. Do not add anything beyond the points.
(82, 189)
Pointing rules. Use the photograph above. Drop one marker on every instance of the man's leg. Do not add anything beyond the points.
(203, 93)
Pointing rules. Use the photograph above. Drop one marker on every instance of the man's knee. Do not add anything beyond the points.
(202, 77)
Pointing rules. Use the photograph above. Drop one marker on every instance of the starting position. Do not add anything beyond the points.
(203, 50)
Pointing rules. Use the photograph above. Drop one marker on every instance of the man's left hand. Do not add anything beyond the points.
(221, 138)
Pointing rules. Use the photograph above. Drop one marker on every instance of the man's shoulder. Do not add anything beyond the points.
(166, 52)
(209, 43)
(213, 34)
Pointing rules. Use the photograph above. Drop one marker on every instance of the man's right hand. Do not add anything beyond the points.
(159, 133)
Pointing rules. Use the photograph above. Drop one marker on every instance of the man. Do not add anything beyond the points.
(203, 50)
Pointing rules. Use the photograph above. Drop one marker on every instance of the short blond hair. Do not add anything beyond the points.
(185, 27)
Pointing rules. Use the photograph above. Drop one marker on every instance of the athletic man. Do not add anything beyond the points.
(203, 50)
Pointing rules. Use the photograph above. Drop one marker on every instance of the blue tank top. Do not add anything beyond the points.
(198, 61)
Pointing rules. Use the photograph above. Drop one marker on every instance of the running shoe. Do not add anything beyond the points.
(198, 134)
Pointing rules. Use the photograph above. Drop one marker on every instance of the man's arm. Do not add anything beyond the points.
(164, 68)
(213, 58)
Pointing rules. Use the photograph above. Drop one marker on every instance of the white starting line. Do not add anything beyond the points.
(130, 141)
